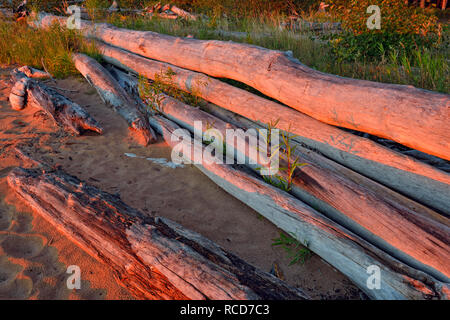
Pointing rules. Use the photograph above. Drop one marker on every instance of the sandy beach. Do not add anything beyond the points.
(34, 256)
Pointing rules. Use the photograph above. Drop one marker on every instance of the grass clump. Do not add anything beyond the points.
(296, 251)
(43, 49)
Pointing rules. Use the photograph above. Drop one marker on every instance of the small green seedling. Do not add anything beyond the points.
(296, 251)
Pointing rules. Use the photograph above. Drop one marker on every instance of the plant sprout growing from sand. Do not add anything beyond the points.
(297, 252)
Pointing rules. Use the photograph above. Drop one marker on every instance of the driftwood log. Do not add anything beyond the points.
(344, 250)
(400, 172)
(183, 13)
(401, 113)
(113, 94)
(154, 258)
(418, 237)
(312, 155)
(64, 112)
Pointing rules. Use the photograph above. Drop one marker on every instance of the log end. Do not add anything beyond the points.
(142, 133)
(18, 95)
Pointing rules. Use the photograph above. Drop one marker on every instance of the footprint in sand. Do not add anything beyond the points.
(8, 272)
(5, 219)
(23, 246)
(30, 266)
(12, 286)
(22, 222)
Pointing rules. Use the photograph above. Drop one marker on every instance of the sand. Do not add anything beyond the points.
(34, 257)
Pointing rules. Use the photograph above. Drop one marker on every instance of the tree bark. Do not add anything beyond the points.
(113, 94)
(341, 248)
(65, 113)
(154, 258)
(405, 174)
(401, 113)
(418, 237)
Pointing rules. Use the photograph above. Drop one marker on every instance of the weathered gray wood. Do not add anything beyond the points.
(405, 174)
(113, 94)
(414, 236)
(64, 112)
(154, 258)
(401, 113)
(344, 250)
(312, 155)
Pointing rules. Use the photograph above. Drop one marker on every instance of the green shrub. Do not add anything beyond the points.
(396, 16)
(404, 29)
(376, 46)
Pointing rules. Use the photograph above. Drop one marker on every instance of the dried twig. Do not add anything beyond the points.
(45, 69)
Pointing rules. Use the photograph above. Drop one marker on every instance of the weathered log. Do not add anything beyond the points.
(401, 113)
(400, 172)
(34, 73)
(113, 94)
(183, 13)
(418, 237)
(64, 112)
(154, 258)
(313, 156)
(344, 250)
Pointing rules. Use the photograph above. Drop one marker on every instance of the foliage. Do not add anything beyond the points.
(405, 30)
(292, 163)
(297, 252)
(51, 48)
(95, 8)
(373, 46)
(285, 152)
(396, 16)
(247, 8)
(150, 91)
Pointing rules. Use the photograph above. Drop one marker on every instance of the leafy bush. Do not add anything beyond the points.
(396, 17)
(404, 29)
(375, 46)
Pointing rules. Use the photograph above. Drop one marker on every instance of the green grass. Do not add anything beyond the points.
(296, 252)
(20, 44)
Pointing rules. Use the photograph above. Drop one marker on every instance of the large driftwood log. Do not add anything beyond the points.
(313, 156)
(401, 113)
(405, 174)
(418, 237)
(66, 113)
(154, 258)
(113, 94)
(344, 250)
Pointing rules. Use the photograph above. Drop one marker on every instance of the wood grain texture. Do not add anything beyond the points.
(341, 248)
(154, 258)
(405, 174)
(64, 112)
(414, 236)
(401, 113)
(113, 94)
